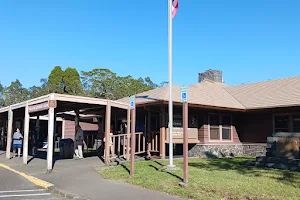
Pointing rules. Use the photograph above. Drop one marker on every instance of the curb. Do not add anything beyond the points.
(49, 186)
(32, 179)
(64, 194)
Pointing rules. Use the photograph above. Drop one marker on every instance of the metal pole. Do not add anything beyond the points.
(185, 142)
(170, 84)
(132, 142)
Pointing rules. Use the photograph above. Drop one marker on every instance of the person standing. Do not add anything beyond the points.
(17, 142)
(78, 142)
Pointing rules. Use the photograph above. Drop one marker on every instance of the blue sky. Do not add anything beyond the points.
(249, 41)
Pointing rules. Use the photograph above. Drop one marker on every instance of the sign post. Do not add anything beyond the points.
(185, 108)
(132, 149)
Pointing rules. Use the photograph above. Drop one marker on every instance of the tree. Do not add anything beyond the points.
(44, 87)
(103, 83)
(35, 91)
(150, 83)
(55, 80)
(1, 95)
(72, 82)
(15, 93)
(99, 83)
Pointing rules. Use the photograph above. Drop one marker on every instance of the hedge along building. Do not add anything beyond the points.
(57, 104)
(223, 120)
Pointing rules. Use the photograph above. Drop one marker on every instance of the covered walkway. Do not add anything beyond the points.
(52, 105)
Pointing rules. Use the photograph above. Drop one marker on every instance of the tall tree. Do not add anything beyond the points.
(72, 82)
(55, 80)
(44, 87)
(15, 93)
(103, 83)
(35, 91)
(1, 95)
(99, 83)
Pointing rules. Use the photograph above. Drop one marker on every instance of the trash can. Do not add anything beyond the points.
(66, 148)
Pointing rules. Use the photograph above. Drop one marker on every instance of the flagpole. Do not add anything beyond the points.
(170, 84)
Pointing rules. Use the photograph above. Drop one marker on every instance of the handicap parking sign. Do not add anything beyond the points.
(183, 90)
(132, 102)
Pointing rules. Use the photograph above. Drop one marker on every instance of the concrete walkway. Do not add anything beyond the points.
(79, 177)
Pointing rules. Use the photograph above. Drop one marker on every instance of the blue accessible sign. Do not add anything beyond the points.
(132, 102)
(184, 94)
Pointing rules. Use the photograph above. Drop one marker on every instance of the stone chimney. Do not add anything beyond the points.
(212, 75)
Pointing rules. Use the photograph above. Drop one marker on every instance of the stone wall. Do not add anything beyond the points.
(224, 150)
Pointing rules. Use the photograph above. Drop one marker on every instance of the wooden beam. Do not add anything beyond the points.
(51, 114)
(2, 133)
(107, 132)
(9, 132)
(163, 132)
(128, 134)
(149, 133)
(132, 142)
(26, 135)
(185, 141)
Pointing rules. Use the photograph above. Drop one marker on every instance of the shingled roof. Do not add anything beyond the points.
(283, 92)
(268, 94)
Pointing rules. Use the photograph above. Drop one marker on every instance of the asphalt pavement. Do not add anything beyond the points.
(15, 187)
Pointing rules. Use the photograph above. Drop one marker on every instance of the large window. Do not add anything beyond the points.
(220, 127)
(281, 123)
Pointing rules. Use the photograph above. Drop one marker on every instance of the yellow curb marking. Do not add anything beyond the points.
(32, 179)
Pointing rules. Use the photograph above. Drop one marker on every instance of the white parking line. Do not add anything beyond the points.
(25, 195)
(17, 191)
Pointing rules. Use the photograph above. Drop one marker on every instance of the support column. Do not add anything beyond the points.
(76, 117)
(133, 140)
(63, 128)
(54, 131)
(3, 133)
(128, 135)
(9, 132)
(51, 115)
(163, 132)
(185, 141)
(149, 133)
(107, 132)
(26, 135)
(37, 127)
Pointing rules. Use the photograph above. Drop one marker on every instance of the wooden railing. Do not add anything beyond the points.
(154, 140)
(140, 146)
(121, 145)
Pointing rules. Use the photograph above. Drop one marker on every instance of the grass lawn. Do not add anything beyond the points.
(211, 179)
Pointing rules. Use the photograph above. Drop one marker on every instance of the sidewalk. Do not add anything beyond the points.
(79, 177)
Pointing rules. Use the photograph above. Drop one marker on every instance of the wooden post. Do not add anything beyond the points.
(9, 132)
(3, 133)
(50, 139)
(107, 132)
(149, 133)
(37, 128)
(77, 117)
(51, 114)
(132, 142)
(185, 142)
(26, 135)
(128, 135)
(163, 133)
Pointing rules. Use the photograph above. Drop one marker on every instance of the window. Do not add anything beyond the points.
(226, 127)
(220, 127)
(281, 124)
(296, 123)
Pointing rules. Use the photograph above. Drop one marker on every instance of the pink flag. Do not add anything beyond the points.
(174, 7)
